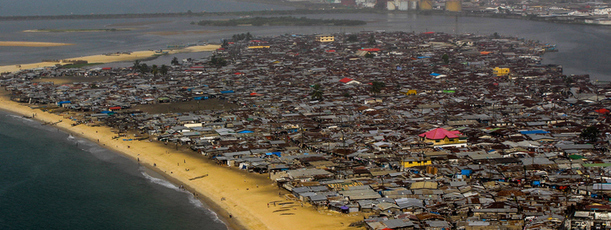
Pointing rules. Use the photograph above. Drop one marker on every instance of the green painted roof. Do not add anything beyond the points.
(597, 165)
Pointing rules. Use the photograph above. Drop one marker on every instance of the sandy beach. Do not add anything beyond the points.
(115, 57)
(246, 201)
(33, 44)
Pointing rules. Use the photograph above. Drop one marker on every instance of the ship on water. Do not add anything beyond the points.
(599, 21)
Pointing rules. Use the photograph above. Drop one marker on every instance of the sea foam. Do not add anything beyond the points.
(192, 199)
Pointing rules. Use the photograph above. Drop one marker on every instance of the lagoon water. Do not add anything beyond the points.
(51, 180)
(67, 7)
(583, 48)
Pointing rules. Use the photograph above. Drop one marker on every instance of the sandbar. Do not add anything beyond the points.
(33, 44)
(116, 57)
(186, 32)
(253, 201)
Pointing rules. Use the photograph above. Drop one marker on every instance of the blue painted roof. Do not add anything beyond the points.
(533, 132)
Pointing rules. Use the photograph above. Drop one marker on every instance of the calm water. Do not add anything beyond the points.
(48, 182)
(66, 7)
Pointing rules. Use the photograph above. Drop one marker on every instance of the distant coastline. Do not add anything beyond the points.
(300, 11)
(33, 44)
(281, 21)
(75, 30)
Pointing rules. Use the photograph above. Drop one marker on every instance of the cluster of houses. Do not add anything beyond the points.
(417, 130)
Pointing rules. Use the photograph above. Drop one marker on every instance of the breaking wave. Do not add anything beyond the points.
(192, 199)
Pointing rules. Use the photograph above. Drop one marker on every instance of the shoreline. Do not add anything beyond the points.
(226, 190)
(102, 58)
(207, 203)
(32, 44)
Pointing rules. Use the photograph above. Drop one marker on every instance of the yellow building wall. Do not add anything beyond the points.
(411, 92)
(325, 38)
(445, 141)
(409, 164)
(426, 5)
(500, 71)
(258, 47)
(453, 6)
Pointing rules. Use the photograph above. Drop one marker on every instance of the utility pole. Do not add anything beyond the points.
(302, 137)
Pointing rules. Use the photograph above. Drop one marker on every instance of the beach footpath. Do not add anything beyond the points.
(244, 201)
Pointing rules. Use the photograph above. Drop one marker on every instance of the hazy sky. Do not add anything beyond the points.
(62, 7)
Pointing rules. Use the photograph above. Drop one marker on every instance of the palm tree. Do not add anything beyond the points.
(175, 61)
(446, 59)
(377, 86)
(136, 66)
(154, 70)
(317, 93)
(217, 62)
(372, 40)
(143, 68)
(590, 134)
(164, 69)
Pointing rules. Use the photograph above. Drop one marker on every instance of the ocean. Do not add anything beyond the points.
(52, 180)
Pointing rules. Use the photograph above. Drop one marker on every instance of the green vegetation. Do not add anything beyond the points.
(352, 38)
(241, 37)
(217, 62)
(143, 68)
(175, 61)
(317, 93)
(281, 21)
(376, 86)
(590, 134)
(446, 59)
(372, 40)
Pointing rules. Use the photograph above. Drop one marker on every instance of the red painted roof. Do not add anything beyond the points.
(345, 80)
(115, 108)
(371, 49)
(440, 133)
